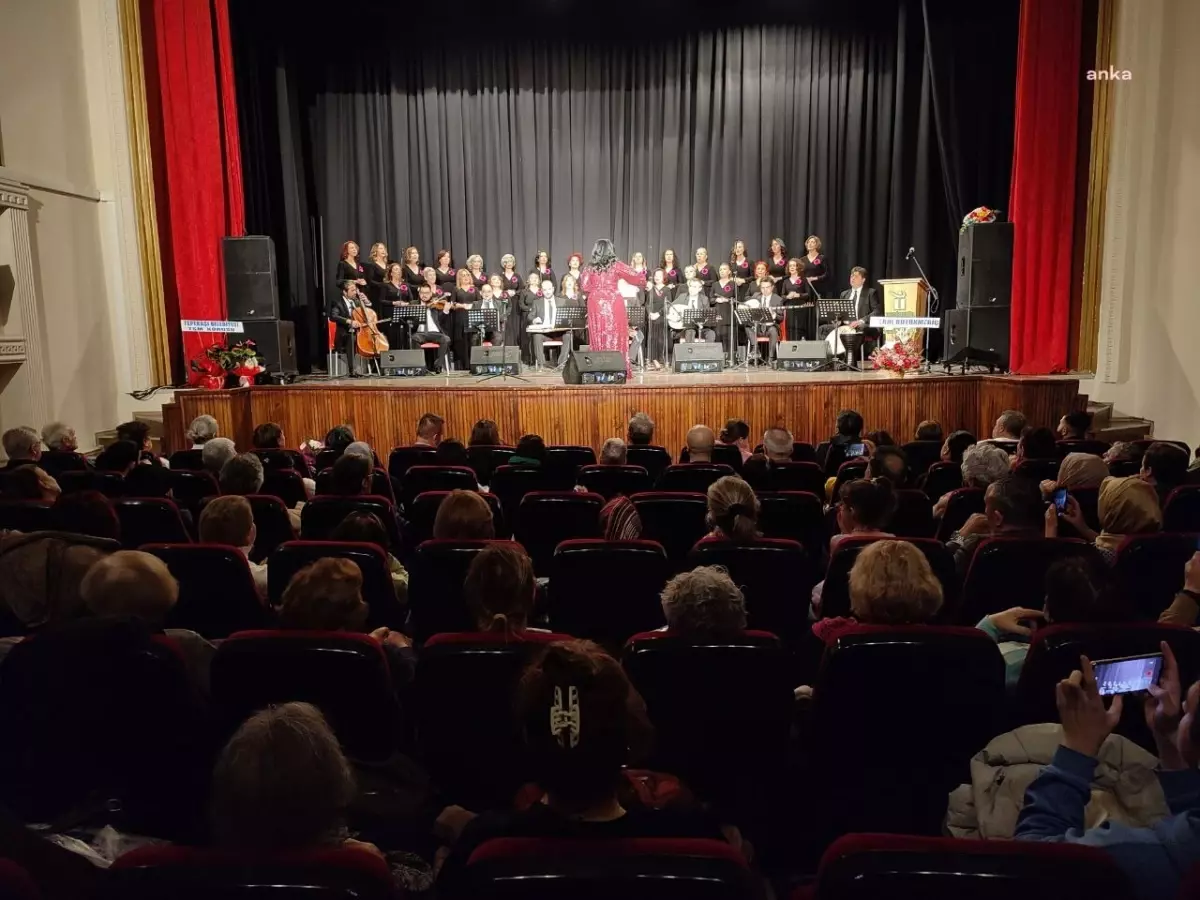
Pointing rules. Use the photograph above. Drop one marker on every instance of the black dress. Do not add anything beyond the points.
(745, 270)
(413, 279)
(347, 271)
(657, 301)
(673, 278)
(547, 274)
(816, 271)
(520, 310)
(449, 277)
(707, 274)
(722, 299)
(460, 332)
(374, 273)
(391, 295)
(799, 313)
(512, 286)
(777, 270)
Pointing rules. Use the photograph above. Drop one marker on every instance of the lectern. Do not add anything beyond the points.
(905, 297)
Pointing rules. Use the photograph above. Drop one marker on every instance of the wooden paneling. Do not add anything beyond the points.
(386, 415)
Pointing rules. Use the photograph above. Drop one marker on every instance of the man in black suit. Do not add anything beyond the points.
(340, 310)
(542, 317)
(435, 329)
(867, 303)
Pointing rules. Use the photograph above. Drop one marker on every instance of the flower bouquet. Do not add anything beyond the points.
(980, 215)
(219, 366)
(898, 358)
(309, 450)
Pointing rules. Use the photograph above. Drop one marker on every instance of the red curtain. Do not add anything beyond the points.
(1042, 198)
(198, 158)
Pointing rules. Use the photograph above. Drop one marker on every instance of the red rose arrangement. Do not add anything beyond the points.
(899, 357)
(210, 369)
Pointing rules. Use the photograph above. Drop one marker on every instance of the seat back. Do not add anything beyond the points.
(326, 459)
(835, 594)
(850, 470)
(378, 592)
(611, 481)
(691, 477)
(1004, 568)
(191, 460)
(546, 518)
(913, 516)
(190, 489)
(148, 481)
(286, 484)
(947, 719)
(1144, 444)
(422, 513)
(721, 708)
(26, 515)
(272, 525)
(942, 478)
(110, 484)
(511, 483)
(901, 867)
(794, 516)
(322, 515)
(722, 454)
(1089, 504)
(1149, 569)
(801, 451)
(921, 455)
(563, 463)
(1096, 448)
(149, 520)
(72, 482)
(674, 520)
(775, 576)
(963, 503)
(653, 459)
(485, 459)
(1182, 510)
(607, 590)
(1037, 470)
(55, 462)
(419, 479)
(401, 459)
(216, 590)
(787, 476)
(633, 869)
(1123, 468)
(279, 459)
(345, 675)
(477, 760)
(436, 600)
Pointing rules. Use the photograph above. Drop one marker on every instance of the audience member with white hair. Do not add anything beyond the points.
(983, 464)
(22, 445)
(60, 436)
(704, 603)
(613, 453)
(640, 430)
(202, 430)
(215, 453)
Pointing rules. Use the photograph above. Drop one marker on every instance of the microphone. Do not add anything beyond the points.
(911, 251)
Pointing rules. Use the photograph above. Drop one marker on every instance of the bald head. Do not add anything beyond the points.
(700, 440)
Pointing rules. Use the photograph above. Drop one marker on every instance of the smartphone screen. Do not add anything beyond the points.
(1125, 676)
(1060, 499)
(853, 450)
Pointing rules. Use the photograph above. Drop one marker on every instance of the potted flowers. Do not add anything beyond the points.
(219, 366)
(897, 359)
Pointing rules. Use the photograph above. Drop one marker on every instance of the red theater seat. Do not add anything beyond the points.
(546, 518)
(378, 590)
(216, 590)
(675, 520)
(607, 590)
(776, 577)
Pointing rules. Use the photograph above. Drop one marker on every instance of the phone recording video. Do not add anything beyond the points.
(1127, 675)
(853, 450)
(1060, 500)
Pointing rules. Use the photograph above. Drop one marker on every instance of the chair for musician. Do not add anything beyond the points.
(963, 503)
(511, 483)
(563, 463)
(794, 516)
(485, 459)
(630, 868)
(343, 674)
(901, 867)
(612, 481)
(188, 460)
(216, 590)
(921, 455)
(855, 787)
(149, 520)
(286, 484)
(835, 594)
(401, 459)
(272, 525)
(722, 708)
(1007, 567)
(323, 514)
(653, 459)
(1149, 569)
(674, 520)
(913, 515)
(691, 477)
(55, 462)
(941, 479)
(722, 454)
(776, 576)
(419, 479)
(550, 343)
(191, 489)
(423, 511)
(1096, 448)
(1182, 509)
(1037, 470)
(607, 590)
(26, 515)
(378, 591)
(477, 760)
(189, 873)
(436, 600)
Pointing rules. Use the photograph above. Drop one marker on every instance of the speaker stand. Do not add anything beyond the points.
(503, 376)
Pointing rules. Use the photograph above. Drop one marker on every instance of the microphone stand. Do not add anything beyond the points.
(937, 306)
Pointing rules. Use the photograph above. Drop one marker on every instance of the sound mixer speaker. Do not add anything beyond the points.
(985, 260)
(976, 337)
(276, 343)
(251, 290)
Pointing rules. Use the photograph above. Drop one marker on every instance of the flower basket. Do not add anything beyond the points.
(897, 359)
(225, 367)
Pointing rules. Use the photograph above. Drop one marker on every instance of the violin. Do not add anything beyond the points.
(370, 340)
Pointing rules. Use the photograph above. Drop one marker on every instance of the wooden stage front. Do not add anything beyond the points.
(384, 411)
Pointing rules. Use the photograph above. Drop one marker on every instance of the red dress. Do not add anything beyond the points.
(608, 326)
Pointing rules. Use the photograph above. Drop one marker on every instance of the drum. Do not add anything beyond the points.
(834, 339)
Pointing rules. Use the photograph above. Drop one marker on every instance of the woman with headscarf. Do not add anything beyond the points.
(1128, 506)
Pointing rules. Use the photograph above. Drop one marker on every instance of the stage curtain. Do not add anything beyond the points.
(1042, 199)
(200, 181)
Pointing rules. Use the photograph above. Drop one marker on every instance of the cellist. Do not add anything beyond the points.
(340, 310)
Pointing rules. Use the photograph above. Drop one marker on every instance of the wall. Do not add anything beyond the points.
(1148, 359)
(63, 133)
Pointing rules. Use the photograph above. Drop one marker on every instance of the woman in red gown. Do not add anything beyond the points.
(608, 325)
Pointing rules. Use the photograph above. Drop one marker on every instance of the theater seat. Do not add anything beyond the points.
(787, 476)
(1037, 470)
(904, 867)
(191, 489)
(610, 481)
(776, 576)
(419, 479)
(942, 478)
(546, 518)
(921, 455)
(16, 883)
(674, 520)
(216, 590)
(279, 459)
(850, 470)
(55, 462)
(691, 477)
(653, 459)
(322, 515)
(835, 594)
(963, 503)
(148, 481)
(74, 482)
(272, 525)
(191, 460)
(485, 459)
(511, 483)
(563, 462)
(722, 709)
(378, 591)
(345, 675)
(477, 760)
(1149, 569)
(722, 454)
(1006, 569)
(1182, 510)
(286, 484)
(401, 459)
(632, 869)
(189, 873)
(149, 520)
(794, 516)
(941, 688)
(435, 587)
(423, 511)
(1096, 448)
(913, 516)
(26, 515)
(607, 590)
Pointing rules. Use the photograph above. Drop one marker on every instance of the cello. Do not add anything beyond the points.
(369, 339)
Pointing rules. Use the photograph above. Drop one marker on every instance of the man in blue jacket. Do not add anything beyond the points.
(1156, 858)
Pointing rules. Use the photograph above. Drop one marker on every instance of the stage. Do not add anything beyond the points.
(384, 411)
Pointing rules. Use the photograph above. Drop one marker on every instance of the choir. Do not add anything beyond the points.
(667, 293)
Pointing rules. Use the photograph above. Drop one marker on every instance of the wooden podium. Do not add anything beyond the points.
(905, 297)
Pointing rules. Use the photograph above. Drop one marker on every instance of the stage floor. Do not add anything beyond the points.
(384, 411)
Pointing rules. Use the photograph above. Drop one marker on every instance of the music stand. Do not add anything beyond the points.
(697, 317)
(636, 315)
(746, 316)
(835, 312)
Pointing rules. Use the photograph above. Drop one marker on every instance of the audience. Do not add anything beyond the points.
(60, 436)
(464, 516)
(1077, 472)
(705, 604)
(485, 433)
(361, 449)
(1035, 443)
(338, 439)
(1079, 590)
(619, 520)
(350, 476)
(641, 430)
(1124, 451)
(268, 436)
(500, 589)
(736, 433)
(22, 445)
(880, 438)
(1164, 467)
(1127, 506)
(119, 457)
(429, 430)
(700, 441)
(31, 482)
(1012, 508)
(865, 509)
(215, 453)
(229, 520)
(956, 446)
(777, 446)
(202, 430)
(243, 474)
(530, 452)
(930, 430)
(138, 433)
(451, 452)
(365, 527)
(1185, 610)
(40, 575)
(87, 513)
(1009, 427)
(732, 509)
(612, 453)
(984, 464)
(849, 428)
(889, 462)
(1074, 426)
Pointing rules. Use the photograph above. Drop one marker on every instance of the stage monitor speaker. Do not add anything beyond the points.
(985, 258)
(405, 363)
(699, 356)
(251, 290)
(276, 342)
(976, 337)
(801, 356)
(595, 367)
(496, 360)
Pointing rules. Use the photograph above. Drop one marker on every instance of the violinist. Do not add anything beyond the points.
(434, 329)
(395, 291)
(340, 310)
(432, 278)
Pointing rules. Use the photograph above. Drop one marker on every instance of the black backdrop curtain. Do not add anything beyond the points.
(844, 122)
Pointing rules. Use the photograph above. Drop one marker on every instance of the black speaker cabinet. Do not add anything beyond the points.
(985, 260)
(595, 367)
(801, 356)
(251, 290)
(699, 357)
(496, 360)
(976, 336)
(276, 342)
(405, 363)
